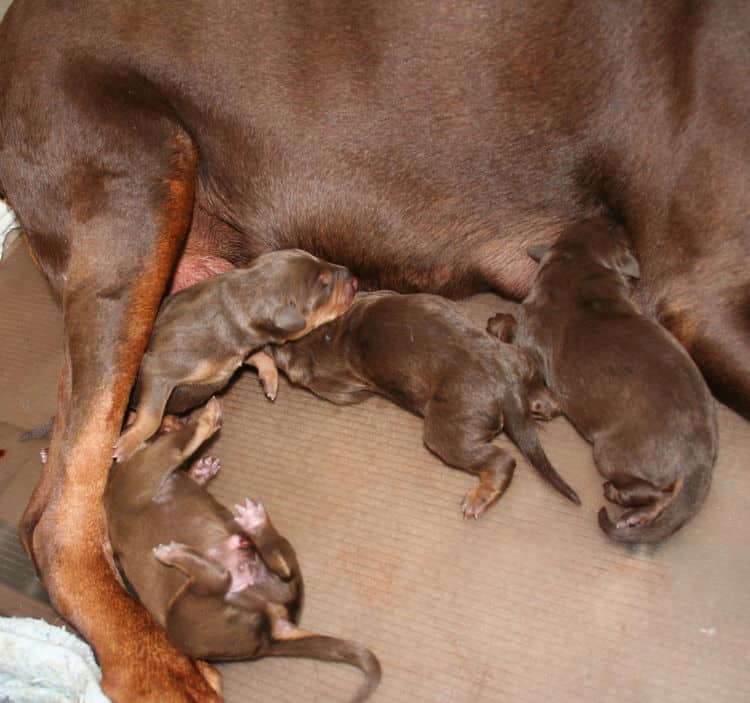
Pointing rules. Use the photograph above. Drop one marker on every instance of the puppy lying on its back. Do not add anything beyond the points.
(424, 354)
(621, 379)
(223, 586)
(205, 332)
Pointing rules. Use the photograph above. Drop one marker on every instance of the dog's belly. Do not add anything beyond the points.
(433, 255)
(416, 218)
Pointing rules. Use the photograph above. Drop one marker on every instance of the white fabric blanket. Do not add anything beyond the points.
(41, 663)
(8, 223)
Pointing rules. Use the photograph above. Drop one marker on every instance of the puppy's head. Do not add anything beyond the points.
(304, 292)
(597, 241)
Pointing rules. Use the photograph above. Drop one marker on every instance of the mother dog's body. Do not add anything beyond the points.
(423, 145)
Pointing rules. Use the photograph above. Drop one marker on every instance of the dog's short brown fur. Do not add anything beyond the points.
(424, 354)
(423, 149)
(225, 587)
(621, 379)
(204, 333)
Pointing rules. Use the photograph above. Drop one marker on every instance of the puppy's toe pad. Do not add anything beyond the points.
(205, 469)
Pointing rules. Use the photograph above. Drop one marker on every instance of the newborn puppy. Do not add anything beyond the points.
(424, 354)
(621, 379)
(223, 586)
(205, 332)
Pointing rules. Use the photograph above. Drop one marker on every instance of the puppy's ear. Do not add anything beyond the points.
(286, 320)
(629, 265)
(537, 251)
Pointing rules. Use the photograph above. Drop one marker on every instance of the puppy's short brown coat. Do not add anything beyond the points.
(225, 587)
(423, 353)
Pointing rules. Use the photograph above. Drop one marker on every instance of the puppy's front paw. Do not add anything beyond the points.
(166, 553)
(251, 516)
(204, 469)
(610, 492)
(126, 446)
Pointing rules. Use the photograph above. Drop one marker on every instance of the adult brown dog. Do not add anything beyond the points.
(621, 379)
(422, 146)
(225, 587)
(422, 352)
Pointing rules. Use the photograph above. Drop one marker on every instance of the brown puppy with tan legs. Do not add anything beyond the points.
(224, 586)
(421, 352)
(204, 333)
(622, 380)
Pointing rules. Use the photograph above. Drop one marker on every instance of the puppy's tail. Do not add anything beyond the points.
(685, 500)
(523, 433)
(333, 649)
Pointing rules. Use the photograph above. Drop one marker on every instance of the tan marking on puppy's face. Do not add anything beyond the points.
(343, 286)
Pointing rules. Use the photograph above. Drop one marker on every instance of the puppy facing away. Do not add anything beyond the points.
(203, 333)
(224, 586)
(622, 380)
(421, 352)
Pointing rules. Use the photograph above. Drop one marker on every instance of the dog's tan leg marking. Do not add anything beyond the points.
(108, 314)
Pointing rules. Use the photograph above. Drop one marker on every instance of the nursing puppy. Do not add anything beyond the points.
(421, 352)
(205, 332)
(621, 379)
(223, 586)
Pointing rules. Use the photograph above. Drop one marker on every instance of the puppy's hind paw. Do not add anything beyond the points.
(635, 518)
(251, 516)
(211, 414)
(477, 500)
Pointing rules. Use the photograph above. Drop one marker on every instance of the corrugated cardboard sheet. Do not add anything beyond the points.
(530, 604)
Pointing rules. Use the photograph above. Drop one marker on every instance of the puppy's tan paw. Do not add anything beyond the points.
(477, 500)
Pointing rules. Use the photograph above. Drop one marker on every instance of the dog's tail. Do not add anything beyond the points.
(521, 430)
(42, 432)
(332, 649)
(686, 499)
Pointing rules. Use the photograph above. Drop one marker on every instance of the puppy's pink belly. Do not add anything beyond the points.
(193, 268)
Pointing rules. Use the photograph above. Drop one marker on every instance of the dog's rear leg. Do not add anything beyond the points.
(276, 552)
(462, 439)
(117, 255)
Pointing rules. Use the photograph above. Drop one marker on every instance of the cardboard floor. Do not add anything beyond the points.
(530, 604)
